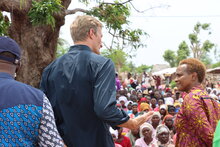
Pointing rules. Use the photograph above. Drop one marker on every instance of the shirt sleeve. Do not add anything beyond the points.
(194, 112)
(104, 96)
(48, 134)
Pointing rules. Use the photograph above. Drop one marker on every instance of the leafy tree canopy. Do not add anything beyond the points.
(170, 57)
(4, 25)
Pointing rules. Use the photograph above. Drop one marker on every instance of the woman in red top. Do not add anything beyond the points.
(124, 141)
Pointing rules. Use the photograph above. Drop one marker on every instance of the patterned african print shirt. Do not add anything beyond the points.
(26, 116)
(196, 121)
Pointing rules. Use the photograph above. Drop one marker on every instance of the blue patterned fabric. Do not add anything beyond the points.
(19, 125)
(20, 112)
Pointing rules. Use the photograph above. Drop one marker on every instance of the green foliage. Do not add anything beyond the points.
(42, 12)
(183, 52)
(207, 46)
(170, 57)
(4, 25)
(61, 47)
(206, 59)
(198, 48)
(142, 68)
(172, 84)
(115, 16)
(129, 67)
(119, 57)
(217, 53)
(216, 65)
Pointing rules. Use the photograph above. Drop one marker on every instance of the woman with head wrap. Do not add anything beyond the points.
(163, 111)
(123, 100)
(171, 110)
(197, 118)
(134, 110)
(147, 139)
(124, 141)
(144, 107)
(129, 107)
(114, 134)
(168, 121)
(141, 100)
(133, 135)
(163, 137)
(155, 121)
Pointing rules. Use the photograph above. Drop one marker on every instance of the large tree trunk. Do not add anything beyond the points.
(38, 47)
(38, 43)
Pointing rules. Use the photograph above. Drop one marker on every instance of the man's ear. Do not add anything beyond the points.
(18, 66)
(91, 33)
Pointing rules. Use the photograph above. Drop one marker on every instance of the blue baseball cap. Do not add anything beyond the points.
(9, 45)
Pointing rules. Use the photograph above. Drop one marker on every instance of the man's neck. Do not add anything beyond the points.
(7, 68)
(87, 43)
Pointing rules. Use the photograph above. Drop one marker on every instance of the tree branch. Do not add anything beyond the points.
(105, 45)
(122, 3)
(15, 5)
(160, 6)
(68, 12)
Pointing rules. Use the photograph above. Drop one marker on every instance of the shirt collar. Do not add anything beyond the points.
(5, 75)
(79, 47)
(200, 87)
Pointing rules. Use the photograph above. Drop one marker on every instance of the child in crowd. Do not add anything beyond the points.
(134, 110)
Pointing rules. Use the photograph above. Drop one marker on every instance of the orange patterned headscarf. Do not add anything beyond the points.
(167, 116)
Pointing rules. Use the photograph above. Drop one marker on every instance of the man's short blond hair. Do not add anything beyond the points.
(81, 25)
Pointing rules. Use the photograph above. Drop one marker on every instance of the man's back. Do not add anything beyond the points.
(81, 88)
(20, 112)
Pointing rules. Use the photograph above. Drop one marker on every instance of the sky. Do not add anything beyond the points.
(167, 26)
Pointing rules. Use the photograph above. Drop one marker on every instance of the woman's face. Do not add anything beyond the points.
(157, 94)
(160, 102)
(163, 137)
(134, 109)
(122, 103)
(153, 101)
(140, 95)
(169, 122)
(162, 111)
(147, 133)
(129, 107)
(183, 79)
(155, 119)
(135, 131)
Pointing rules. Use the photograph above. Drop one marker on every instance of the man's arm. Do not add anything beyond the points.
(105, 99)
(136, 122)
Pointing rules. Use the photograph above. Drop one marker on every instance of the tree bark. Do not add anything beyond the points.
(38, 43)
(38, 47)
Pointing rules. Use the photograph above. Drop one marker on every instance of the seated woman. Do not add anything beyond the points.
(147, 139)
(163, 137)
(169, 123)
(114, 134)
(155, 121)
(124, 141)
(134, 110)
(133, 135)
(163, 111)
(144, 107)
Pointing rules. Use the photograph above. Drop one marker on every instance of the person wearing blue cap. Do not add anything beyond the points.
(26, 116)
